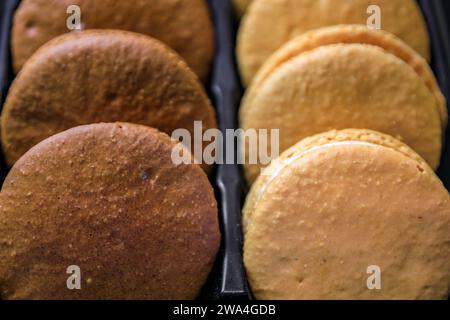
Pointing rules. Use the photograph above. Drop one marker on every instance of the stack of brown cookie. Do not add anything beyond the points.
(93, 183)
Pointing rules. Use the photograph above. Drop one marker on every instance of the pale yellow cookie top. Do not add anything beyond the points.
(359, 135)
(354, 34)
(345, 86)
(268, 24)
(341, 207)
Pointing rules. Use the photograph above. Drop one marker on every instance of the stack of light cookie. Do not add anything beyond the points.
(336, 203)
(347, 77)
(339, 203)
(93, 183)
(268, 24)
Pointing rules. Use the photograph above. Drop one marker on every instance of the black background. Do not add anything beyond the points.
(447, 10)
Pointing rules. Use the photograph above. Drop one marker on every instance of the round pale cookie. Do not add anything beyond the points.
(268, 24)
(335, 210)
(101, 76)
(355, 34)
(345, 86)
(361, 135)
(184, 25)
(108, 199)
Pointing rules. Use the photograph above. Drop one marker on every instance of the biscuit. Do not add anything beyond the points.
(342, 86)
(108, 199)
(333, 136)
(355, 34)
(339, 204)
(268, 24)
(184, 25)
(101, 76)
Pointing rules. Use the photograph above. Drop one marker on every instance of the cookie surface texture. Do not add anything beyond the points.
(184, 25)
(336, 209)
(101, 76)
(107, 199)
(268, 24)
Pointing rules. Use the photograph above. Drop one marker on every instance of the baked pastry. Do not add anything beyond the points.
(268, 24)
(355, 34)
(101, 76)
(321, 139)
(340, 86)
(184, 25)
(336, 205)
(108, 199)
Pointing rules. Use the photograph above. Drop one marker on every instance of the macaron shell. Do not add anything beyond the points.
(268, 24)
(341, 208)
(347, 135)
(184, 25)
(107, 198)
(354, 34)
(345, 86)
(101, 76)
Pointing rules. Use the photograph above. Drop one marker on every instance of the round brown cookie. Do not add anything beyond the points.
(361, 135)
(334, 209)
(184, 25)
(355, 34)
(268, 24)
(101, 76)
(345, 86)
(106, 198)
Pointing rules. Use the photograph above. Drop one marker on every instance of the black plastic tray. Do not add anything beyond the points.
(228, 280)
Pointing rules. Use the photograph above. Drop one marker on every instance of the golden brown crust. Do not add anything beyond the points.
(108, 198)
(345, 86)
(101, 76)
(268, 24)
(341, 207)
(355, 34)
(184, 25)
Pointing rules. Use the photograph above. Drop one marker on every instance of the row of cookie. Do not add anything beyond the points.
(338, 204)
(106, 197)
(101, 196)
